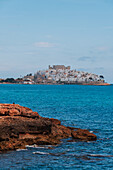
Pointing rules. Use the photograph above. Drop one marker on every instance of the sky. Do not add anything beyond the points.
(38, 33)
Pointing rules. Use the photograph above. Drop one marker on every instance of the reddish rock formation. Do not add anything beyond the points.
(17, 110)
(20, 126)
(84, 135)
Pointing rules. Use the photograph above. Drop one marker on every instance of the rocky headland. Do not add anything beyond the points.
(20, 126)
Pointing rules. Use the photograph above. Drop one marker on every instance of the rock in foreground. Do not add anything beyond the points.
(20, 126)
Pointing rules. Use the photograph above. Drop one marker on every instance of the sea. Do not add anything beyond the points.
(80, 106)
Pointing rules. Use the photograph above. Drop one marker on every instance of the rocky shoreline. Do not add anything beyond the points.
(20, 126)
(92, 83)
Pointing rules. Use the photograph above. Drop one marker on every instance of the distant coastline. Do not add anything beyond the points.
(86, 84)
(59, 75)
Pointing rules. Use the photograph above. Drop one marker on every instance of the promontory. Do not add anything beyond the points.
(20, 126)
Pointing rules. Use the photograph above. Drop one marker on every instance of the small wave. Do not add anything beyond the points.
(36, 146)
(98, 155)
(40, 147)
(91, 131)
(41, 153)
(21, 150)
(45, 153)
(31, 146)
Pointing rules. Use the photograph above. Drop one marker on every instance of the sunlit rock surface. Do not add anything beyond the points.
(20, 126)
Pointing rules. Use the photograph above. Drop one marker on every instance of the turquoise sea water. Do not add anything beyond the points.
(87, 107)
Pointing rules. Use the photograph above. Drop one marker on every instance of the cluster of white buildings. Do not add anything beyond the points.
(62, 74)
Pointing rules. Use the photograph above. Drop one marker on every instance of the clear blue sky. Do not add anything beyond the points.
(36, 33)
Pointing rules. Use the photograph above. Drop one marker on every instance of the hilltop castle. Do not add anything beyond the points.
(57, 67)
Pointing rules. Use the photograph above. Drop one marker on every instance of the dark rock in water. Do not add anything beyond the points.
(20, 126)
(83, 135)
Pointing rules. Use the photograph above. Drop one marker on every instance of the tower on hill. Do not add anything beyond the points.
(57, 67)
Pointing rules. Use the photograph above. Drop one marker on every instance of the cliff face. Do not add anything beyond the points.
(20, 126)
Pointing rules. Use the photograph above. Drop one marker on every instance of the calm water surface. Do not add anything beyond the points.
(87, 107)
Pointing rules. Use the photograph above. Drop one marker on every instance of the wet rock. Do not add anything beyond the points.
(83, 135)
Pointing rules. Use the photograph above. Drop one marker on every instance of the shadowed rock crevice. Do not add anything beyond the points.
(20, 126)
